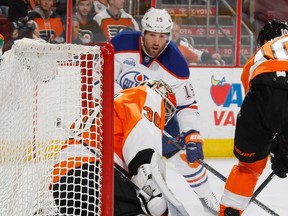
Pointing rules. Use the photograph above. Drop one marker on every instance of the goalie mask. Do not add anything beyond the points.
(166, 93)
(157, 20)
(272, 30)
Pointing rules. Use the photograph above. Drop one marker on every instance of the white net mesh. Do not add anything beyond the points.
(40, 83)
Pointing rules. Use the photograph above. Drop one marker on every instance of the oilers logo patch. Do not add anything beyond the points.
(132, 79)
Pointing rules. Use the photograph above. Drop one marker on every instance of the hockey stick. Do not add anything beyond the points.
(223, 178)
(263, 185)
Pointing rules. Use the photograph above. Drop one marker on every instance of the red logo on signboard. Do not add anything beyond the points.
(219, 90)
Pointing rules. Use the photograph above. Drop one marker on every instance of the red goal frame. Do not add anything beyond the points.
(107, 192)
(107, 54)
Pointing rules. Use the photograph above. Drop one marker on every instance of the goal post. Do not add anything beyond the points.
(44, 89)
(108, 130)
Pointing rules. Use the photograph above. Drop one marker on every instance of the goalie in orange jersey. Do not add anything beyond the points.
(262, 123)
(140, 114)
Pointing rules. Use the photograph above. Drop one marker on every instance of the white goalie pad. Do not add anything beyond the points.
(174, 205)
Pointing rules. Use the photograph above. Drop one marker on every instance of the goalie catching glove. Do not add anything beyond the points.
(155, 203)
(193, 142)
(151, 179)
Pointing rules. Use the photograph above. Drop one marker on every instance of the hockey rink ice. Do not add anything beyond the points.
(274, 195)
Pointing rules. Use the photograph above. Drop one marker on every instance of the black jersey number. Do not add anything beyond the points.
(189, 91)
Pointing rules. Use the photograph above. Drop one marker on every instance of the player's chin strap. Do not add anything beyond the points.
(223, 178)
(175, 207)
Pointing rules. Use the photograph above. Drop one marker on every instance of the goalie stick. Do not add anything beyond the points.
(223, 178)
(175, 207)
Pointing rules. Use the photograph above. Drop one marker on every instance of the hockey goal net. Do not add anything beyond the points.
(44, 88)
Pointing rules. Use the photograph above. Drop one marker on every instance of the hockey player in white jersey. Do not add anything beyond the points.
(150, 55)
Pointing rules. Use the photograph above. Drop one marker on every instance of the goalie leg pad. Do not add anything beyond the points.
(158, 175)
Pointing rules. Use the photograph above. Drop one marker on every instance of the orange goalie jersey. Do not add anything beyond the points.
(139, 118)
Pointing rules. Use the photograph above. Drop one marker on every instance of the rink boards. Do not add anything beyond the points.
(219, 94)
(218, 91)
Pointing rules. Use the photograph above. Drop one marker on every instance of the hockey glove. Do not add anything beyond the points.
(156, 204)
(193, 142)
(279, 156)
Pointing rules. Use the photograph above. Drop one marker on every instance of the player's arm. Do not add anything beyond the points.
(188, 118)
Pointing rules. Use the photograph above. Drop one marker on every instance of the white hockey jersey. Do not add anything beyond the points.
(133, 65)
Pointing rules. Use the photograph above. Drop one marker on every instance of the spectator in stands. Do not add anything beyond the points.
(89, 28)
(77, 38)
(49, 23)
(115, 19)
(192, 55)
(20, 8)
(100, 5)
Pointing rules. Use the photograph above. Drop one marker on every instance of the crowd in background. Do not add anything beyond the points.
(100, 20)
(46, 19)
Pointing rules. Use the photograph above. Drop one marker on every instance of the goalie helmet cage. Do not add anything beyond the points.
(40, 84)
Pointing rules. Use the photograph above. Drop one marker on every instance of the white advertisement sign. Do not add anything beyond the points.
(219, 93)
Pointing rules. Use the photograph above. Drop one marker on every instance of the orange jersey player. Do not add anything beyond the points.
(262, 122)
(273, 57)
(140, 114)
(115, 19)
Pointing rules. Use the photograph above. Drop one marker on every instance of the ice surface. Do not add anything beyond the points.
(274, 195)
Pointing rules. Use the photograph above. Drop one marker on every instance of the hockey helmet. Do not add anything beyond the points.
(157, 20)
(166, 93)
(271, 30)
